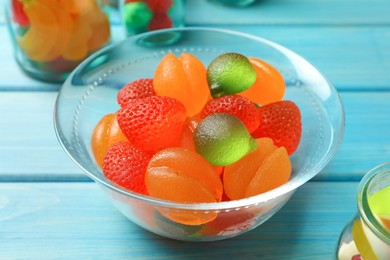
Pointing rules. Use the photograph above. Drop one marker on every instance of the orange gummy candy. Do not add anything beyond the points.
(259, 171)
(184, 79)
(269, 85)
(171, 175)
(105, 134)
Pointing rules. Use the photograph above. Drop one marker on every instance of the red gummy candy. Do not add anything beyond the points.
(19, 16)
(237, 106)
(280, 121)
(137, 89)
(159, 6)
(126, 165)
(160, 21)
(153, 123)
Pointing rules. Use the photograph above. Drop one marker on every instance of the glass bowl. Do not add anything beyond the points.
(90, 92)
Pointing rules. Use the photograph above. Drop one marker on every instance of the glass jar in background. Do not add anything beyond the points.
(140, 16)
(367, 236)
(52, 37)
(239, 3)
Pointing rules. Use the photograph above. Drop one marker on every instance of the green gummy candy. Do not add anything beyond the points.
(136, 16)
(230, 73)
(379, 202)
(223, 139)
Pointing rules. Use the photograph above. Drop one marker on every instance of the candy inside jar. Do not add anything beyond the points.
(52, 37)
(367, 236)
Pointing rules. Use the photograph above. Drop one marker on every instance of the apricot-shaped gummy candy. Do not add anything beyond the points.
(171, 175)
(184, 79)
(105, 134)
(230, 73)
(223, 139)
(259, 171)
(269, 85)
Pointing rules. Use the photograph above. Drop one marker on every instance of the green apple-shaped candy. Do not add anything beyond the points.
(136, 17)
(223, 139)
(230, 73)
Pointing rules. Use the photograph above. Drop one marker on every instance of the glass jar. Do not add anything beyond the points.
(367, 236)
(52, 37)
(239, 3)
(140, 16)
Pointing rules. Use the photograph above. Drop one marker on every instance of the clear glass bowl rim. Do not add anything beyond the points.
(216, 206)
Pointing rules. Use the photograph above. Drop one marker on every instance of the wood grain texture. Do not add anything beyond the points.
(353, 58)
(30, 150)
(288, 12)
(76, 221)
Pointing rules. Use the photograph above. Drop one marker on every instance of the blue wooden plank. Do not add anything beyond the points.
(76, 221)
(351, 57)
(29, 149)
(288, 12)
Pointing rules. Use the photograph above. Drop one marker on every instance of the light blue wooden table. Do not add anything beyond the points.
(50, 209)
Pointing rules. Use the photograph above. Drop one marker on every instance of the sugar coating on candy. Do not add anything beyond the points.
(230, 73)
(153, 123)
(184, 79)
(140, 88)
(269, 86)
(125, 165)
(223, 139)
(105, 134)
(280, 121)
(237, 106)
(178, 163)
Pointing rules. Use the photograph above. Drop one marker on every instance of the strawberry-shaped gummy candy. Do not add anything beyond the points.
(125, 165)
(153, 123)
(137, 89)
(281, 121)
(237, 106)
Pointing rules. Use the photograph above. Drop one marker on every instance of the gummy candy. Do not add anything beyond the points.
(18, 14)
(137, 89)
(105, 134)
(125, 165)
(281, 121)
(230, 73)
(262, 170)
(380, 206)
(184, 79)
(153, 123)
(160, 21)
(174, 228)
(223, 139)
(68, 29)
(237, 176)
(136, 17)
(171, 173)
(274, 172)
(269, 85)
(159, 6)
(361, 241)
(237, 106)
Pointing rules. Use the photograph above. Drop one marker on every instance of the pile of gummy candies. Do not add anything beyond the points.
(197, 135)
(62, 30)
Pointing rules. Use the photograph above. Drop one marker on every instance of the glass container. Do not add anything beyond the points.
(367, 235)
(52, 37)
